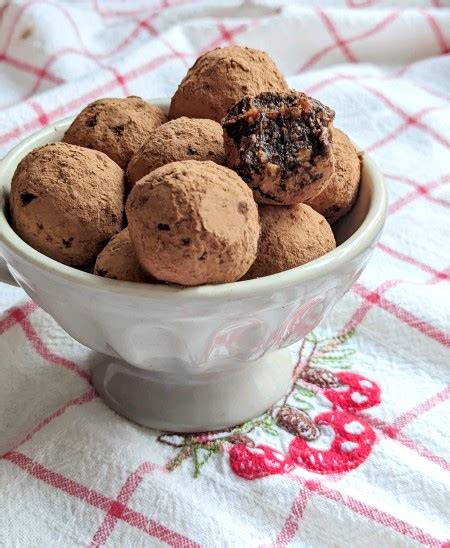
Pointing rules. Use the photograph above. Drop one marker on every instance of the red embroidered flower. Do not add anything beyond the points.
(345, 442)
(355, 393)
(257, 462)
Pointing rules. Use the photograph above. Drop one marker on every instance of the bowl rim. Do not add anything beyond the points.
(360, 240)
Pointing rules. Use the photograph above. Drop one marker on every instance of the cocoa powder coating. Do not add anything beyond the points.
(340, 193)
(193, 223)
(220, 78)
(118, 260)
(116, 127)
(67, 201)
(177, 140)
(290, 236)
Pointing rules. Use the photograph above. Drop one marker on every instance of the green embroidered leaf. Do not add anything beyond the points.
(245, 426)
(250, 425)
(331, 343)
(305, 391)
(312, 338)
(202, 454)
(339, 366)
(269, 426)
(270, 430)
(336, 356)
(181, 456)
(196, 462)
(304, 405)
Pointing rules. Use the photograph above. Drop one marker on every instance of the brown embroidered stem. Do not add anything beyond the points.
(300, 355)
(296, 376)
(161, 439)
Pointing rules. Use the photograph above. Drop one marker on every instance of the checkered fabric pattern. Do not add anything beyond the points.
(74, 473)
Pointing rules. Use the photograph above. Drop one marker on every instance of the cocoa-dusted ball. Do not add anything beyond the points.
(219, 78)
(177, 140)
(280, 144)
(340, 193)
(290, 236)
(118, 260)
(193, 223)
(116, 127)
(66, 201)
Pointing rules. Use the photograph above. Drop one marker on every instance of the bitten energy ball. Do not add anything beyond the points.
(177, 140)
(340, 193)
(290, 236)
(193, 223)
(118, 260)
(117, 127)
(221, 77)
(67, 201)
(280, 144)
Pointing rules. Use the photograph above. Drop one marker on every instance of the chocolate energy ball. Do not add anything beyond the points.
(118, 260)
(116, 127)
(340, 193)
(221, 77)
(290, 236)
(177, 140)
(280, 144)
(66, 201)
(193, 223)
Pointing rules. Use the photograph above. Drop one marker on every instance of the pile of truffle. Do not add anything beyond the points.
(243, 181)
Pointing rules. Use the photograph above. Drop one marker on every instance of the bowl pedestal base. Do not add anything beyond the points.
(199, 402)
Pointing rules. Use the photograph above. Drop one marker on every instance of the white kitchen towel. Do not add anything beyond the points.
(373, 381)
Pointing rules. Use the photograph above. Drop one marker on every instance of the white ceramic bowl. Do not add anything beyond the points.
(198, 358)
